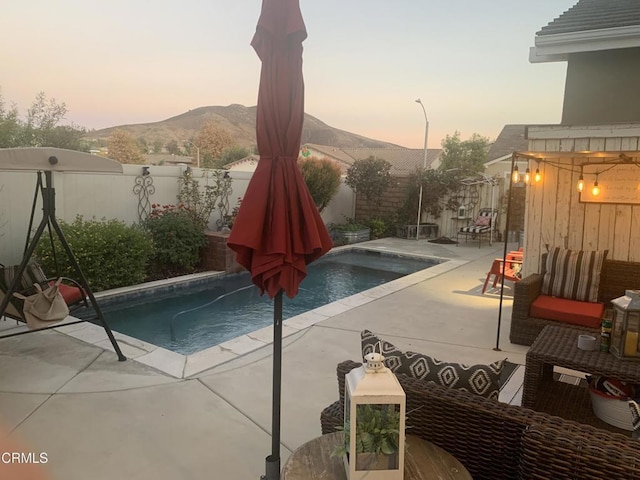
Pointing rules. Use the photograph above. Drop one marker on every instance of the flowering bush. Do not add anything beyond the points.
(178, 239)
(230, 219)
(111, 254)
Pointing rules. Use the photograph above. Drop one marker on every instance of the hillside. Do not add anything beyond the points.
(239, 121)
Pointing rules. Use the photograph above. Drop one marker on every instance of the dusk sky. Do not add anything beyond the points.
(365, 62)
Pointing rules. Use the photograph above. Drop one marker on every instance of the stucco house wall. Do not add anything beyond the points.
(602, 87)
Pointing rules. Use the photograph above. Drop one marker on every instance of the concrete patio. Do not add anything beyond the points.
(98, 418)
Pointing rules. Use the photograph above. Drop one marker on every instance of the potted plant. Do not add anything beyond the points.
(350, 232)
(377, 438)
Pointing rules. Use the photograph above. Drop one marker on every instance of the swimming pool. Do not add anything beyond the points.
(192, 318)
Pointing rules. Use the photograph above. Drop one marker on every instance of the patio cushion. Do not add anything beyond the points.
(483, 221)
(483, 380)
(573, 274)
(70, 293)
(586, 314)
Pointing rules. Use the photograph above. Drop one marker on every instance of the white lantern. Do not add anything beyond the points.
(625, 334)
(374, 422)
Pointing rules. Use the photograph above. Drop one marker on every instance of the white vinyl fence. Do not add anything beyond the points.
(111, 196)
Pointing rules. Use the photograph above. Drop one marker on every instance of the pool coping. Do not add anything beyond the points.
(185, 366)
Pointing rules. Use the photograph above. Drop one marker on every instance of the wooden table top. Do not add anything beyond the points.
(423, 461)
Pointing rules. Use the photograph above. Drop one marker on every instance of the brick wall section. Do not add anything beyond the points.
(217, 256)
(392, 200)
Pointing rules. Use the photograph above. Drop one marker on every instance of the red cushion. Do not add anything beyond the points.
(586, 314)
(70, 294)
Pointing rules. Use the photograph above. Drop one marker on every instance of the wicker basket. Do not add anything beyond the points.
(610, 409)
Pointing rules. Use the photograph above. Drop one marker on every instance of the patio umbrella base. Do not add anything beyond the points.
(272, 468)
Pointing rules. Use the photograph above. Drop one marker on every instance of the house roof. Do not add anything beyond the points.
(403, 161)
(511, 139)
(595, 15)
(249, 159)
(590, 25)
(333, 152)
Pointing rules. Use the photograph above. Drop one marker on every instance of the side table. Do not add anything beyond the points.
(423, 460)
(558, 346)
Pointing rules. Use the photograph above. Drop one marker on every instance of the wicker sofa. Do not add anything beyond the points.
(616, 277)
(496, 441)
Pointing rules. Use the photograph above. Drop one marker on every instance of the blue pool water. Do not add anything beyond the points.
(188, 320)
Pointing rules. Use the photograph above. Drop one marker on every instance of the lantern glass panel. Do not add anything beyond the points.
(377, 436)
(617, 332)
(631, 341)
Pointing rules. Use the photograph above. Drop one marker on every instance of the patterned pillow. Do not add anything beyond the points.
(483, 380)
(573, 274)
(483, 221)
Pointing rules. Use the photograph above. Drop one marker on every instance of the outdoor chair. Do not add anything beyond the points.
(483, 226)
(73, 294)
(509, 270)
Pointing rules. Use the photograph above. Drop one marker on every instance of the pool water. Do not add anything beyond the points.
(191, 319)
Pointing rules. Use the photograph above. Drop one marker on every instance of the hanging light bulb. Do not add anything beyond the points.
(538, 176)
(527, 176)
(595, 191)
(581, 183)
(516, 175)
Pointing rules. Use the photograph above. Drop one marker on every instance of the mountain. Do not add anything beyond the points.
(240, 122)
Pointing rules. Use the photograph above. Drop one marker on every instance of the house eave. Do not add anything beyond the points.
(557, 47)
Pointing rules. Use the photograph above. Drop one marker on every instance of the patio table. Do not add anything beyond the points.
(423, 460)
(557, 346)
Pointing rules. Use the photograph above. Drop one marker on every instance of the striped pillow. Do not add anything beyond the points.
(573, 274)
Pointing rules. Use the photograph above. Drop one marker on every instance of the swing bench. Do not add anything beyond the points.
(74, 295)
(16, 279)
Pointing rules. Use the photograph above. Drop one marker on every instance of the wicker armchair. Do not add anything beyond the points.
(496, 441)
(616, 277)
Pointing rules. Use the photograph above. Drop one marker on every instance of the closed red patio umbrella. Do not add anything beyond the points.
(278, 230)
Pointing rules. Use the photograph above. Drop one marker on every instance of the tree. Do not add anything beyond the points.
(369, 177)
(233, 153)
(212, 140)
(157, 146)
(436, 185)
(42, 117)
(41, 127)
(467, 156)
(173, 148)
(322, 177)
(124, 148)
(10, 128)
(144, 145)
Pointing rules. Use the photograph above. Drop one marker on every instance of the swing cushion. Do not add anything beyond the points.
(71, 294)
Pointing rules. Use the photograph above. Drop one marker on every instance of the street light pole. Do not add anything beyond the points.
(424, 166)
(197, 152)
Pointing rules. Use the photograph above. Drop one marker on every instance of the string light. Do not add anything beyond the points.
(527, 178)
(595, 191)
(538, 175)
(516, 175)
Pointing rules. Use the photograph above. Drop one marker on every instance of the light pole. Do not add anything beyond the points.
(197, 152)
(424, 166)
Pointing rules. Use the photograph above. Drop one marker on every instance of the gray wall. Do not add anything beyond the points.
(602, 87)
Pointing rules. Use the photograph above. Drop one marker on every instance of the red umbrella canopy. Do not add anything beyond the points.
(278, 230)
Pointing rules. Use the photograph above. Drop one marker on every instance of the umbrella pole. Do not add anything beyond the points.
(273, 460)
(504, 251)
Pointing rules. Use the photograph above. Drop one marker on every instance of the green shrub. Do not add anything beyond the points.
(349, 225)
(322, 177)
(177, 237)
(111, 254)
(378, 228)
